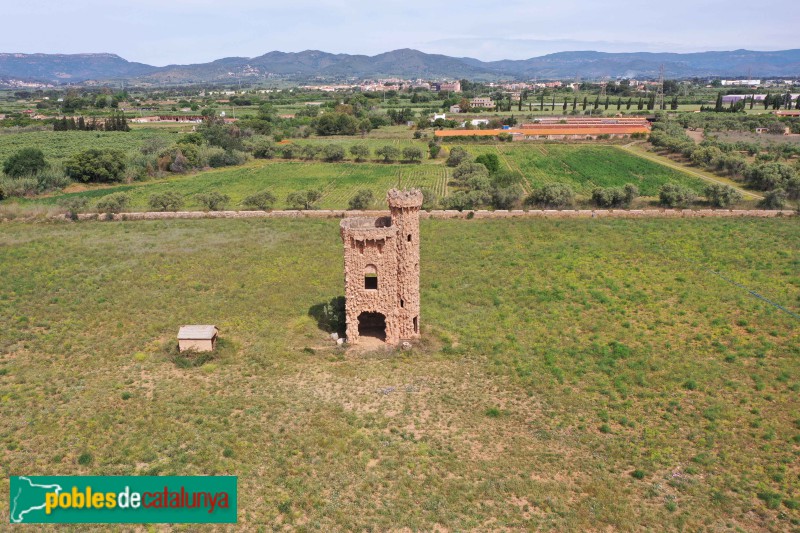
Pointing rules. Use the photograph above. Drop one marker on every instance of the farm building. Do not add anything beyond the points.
(197, 338)
(555, 132)
(483, 102)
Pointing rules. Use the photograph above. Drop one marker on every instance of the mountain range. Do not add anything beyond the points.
(405, 63)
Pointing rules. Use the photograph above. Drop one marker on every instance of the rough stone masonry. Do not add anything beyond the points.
(381, 271)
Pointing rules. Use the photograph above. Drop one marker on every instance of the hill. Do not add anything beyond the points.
(406, 63)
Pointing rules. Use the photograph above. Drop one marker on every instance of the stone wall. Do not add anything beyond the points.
(438, 214)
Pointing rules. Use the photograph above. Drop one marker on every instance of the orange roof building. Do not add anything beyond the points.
(553, 131)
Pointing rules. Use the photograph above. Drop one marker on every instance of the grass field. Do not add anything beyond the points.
(574, 375)
(585, 166)
(339, 182)
(60, 145)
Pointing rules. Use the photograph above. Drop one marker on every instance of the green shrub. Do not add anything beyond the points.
(638, 474)
(676, 195)
(469, 170)
(52, 178)
(461, 200)
(113, 203)
(85, 459)
(506, 197)
(96, 166)
(552, 195)
(167, 201)
(615, 196)
(774, 199)
(226, 158)
(490, 161)
(264, 149)
(720, 195)
(213, 201)
(73, 205)
(24, 186)
(262, 201)
(362, 200)
(28, 161)
(430, 200)
(290, 151)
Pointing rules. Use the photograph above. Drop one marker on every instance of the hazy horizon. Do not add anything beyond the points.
(199, 31)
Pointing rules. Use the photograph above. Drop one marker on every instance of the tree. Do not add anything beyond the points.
(388, 152)
(360, 152)
(676, 195)
(412, 153)
(303, 199)
(167, 201)
(722, 195)
(213, 201)
(333, 152)
(290, 151)
(96, 166)
(25, 162)
(506, 197)
(554, 195)
(261, 201)
(490, 161)
(457, 156)
(264, 149)
(434, 149)
(310, 151)
(362, 200)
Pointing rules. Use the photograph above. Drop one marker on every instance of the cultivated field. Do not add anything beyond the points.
(585, 166)
(573, 375)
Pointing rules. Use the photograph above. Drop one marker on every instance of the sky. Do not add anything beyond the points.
(161, 32)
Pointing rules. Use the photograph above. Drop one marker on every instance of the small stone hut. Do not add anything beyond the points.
(381, 271)
(197, 338)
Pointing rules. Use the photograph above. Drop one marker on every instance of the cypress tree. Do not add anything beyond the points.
(585, 102)
(575, 102)
(718, 104)
(767, 101)
(628, 105)
(619, 104)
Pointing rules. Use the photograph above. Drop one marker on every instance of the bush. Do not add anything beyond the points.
(468, 170)
(96, 166)
(264, 149)
(774, 199)
(303, 199)
(506, 197)
(213, 201)
(262, 201)
(362, 200)
(457, 156)
(113, 203)
(676, 195)
(290, 151)
(722, 195)
(168, 201)
(226, 158)
(388, 153)
(553, 195)
(430, 200)
(73, 205)
(179, 164)
(490, 161)
(615, 196)
(461, 200)
(433, 150)
(360, 152)
(28, 161)
(310, 151)
(24, 186)
(333, 152)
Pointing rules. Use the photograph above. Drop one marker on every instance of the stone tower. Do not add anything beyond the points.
(381, 271)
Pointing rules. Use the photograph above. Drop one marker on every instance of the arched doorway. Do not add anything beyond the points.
(372, 325)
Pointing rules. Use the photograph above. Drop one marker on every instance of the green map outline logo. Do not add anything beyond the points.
(123, 499)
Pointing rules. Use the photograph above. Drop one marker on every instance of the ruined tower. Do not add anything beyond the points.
(381, 271)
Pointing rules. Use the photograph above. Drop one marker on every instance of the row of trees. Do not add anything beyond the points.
(266, 149)
(770, 175)
(117, 122)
